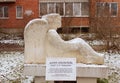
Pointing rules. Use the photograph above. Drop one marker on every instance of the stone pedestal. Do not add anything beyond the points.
(86, 80)
(39, 79)
(85, 73)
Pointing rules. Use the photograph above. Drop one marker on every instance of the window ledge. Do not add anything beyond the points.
(19, 17)
(114, 16)
(4, 17)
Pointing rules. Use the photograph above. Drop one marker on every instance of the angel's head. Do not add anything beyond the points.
(54, 20)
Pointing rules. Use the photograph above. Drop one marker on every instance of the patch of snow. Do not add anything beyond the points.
(96, 42)
(11, 67)
(19, 42)
(113, 62)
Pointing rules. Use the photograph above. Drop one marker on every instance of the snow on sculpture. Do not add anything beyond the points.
(42, 40)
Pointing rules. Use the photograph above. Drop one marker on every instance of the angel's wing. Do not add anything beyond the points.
(34, 37)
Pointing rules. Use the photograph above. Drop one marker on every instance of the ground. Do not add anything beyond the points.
(12, 42)
(12, 60)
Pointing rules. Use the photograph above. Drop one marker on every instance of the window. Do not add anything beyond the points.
(3, 12)
(106, 9)
(114, 9)
(19, 12)
(68, 9)
(65, 8)
(103, 9)
(84, 8)
(59, 8)
(43, 9)
(51, 8)
(99, 8)
(76, 8)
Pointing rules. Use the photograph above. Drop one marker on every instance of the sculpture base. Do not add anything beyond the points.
(85, 73)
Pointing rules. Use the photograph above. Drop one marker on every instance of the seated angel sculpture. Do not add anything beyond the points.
(42, 41)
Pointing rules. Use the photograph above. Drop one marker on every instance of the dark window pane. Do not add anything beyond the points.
(19, 11)
(107, 5)
(106, 10)
(99, 9)
(5, 11)
(59, 8)
(103, 9)
(43, 9)
(51, 8)
(1, 11)
(113, 9)
(68, 9)
(85, 8)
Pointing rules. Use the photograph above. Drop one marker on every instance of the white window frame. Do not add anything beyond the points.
(3, 17)
(17, 12)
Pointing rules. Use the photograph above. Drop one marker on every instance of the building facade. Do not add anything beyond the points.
(15, 14)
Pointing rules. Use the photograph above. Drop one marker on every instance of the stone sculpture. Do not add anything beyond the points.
(42, 40)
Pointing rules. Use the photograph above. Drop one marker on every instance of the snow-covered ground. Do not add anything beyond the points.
(11, 67)
(96, 42)
(11, 39)
(19, 42)
(113, 62)
(11, 63)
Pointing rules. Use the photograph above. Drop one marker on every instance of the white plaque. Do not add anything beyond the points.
(61, 69)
